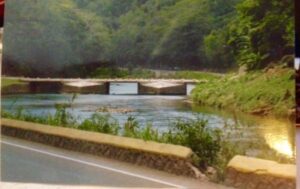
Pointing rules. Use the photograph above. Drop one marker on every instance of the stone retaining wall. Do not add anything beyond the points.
(170, 158)
(252, 173)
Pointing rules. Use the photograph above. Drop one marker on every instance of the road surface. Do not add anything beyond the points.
(28, 162)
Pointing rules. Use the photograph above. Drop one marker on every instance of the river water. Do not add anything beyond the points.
(262, 137)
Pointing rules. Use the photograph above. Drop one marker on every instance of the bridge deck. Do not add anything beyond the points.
(190, 81)
(100, 86)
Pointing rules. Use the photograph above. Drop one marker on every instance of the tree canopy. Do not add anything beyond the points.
(44, 37)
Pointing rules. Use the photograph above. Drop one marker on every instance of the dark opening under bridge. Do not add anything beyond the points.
(103, 86)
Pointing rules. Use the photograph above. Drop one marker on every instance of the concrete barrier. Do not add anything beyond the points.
(252, 173)
(166, 157)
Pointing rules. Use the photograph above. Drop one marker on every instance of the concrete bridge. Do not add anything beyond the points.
(104, 86)
(117, 80)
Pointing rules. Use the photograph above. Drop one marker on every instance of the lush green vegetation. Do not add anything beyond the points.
(146, 73)
(122, 73)
(195, 75)
(7, 82)
(168, 34)
(258, 92)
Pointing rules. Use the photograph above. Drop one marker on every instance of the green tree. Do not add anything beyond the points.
(262, 32)
(43, 37)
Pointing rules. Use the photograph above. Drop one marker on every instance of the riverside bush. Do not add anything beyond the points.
(101, 124)
(204, 141)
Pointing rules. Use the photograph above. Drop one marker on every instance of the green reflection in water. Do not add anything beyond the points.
(263, 137)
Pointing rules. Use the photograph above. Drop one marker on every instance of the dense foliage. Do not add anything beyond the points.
(44, 37)
(270, 91)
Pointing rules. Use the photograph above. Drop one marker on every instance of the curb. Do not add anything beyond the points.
(174, 159)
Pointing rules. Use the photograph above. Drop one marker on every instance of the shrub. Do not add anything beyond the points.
(100, 123)
(204, 141)
(149, 133)
(131, 127)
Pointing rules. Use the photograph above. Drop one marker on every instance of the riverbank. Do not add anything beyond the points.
(263, 92)
(214, 150)
(7, 81)
(152, 74)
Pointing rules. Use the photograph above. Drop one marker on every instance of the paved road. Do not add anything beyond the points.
(27, 162)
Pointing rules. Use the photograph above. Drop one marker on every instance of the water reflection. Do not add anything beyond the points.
(265, 137)
(279, 136)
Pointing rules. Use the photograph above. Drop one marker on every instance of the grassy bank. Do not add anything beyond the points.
(269, 91)
(121, 73)
(149, 74)
(196, 75)
(7, 82)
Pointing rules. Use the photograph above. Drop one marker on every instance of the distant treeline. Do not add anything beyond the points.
(53, 37)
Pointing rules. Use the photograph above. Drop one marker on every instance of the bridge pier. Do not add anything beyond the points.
(45, 87)
(98, 88)
(153, 89)
(106, 88)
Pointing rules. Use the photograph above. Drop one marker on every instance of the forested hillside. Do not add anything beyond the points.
(48, 38)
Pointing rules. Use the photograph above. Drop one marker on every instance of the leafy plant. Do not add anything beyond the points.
(100, 123)
(204, 141)
(149, 133)
(131, 127)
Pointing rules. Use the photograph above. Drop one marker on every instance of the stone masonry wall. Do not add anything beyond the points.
(252, 173)
(169, 164)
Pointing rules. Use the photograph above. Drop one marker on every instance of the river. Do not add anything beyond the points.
(261, 137)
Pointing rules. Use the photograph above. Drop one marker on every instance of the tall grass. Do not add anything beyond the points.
(258, 92)
(100, 123)
(195, 75)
